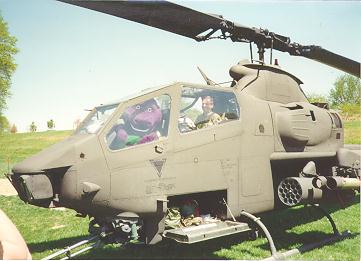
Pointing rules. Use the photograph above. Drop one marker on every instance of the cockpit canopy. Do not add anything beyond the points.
(146, 117)
(96, 119)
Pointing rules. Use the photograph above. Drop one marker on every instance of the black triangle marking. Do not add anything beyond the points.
(158, 165)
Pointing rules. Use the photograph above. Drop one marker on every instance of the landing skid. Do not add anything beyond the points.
(276, 255)
(67, 252)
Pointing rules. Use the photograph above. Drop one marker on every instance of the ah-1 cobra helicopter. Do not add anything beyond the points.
(269, 147)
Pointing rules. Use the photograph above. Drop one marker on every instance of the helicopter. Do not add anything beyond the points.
(131, 161)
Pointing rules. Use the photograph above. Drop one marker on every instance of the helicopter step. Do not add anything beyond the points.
(194, 234)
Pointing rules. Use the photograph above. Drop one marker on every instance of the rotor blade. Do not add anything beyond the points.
(191, 23)
(160, 14)
(319, 54)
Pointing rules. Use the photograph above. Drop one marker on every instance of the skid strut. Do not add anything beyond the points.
(283, 255)
(258, 221)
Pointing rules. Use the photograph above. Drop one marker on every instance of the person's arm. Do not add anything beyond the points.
(215, 119)
(12, 244)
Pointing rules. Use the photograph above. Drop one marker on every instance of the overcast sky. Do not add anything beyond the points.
(71, 59)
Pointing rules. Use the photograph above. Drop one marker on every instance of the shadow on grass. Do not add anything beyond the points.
(166, 250)
(200, 251)
(163, 250)
(54, 244)
(288, 218)
(278, 222)
(288, 240)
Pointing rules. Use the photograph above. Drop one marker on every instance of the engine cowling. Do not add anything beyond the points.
(304, 123)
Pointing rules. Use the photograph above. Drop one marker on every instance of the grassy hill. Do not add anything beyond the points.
(16, 147)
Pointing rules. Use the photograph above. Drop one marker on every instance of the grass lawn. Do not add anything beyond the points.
(352, 132)
(16, 147)
(48, 230)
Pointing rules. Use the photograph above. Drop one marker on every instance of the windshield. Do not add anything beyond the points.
(96, 119)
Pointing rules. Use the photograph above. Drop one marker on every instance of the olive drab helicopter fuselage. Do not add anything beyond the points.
(130, 161)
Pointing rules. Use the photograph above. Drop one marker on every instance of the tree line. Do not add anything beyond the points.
(344, 96)
(32, 127)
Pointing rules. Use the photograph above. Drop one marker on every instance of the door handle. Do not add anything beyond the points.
(158, 149)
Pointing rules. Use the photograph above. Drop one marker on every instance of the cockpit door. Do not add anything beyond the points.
(137, 144)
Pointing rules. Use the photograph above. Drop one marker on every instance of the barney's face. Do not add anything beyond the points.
(144, 117)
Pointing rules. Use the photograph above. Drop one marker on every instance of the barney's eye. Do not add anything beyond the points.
(150, 109)
(137, 107)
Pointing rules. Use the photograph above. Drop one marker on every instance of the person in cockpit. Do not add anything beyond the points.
(208, 117)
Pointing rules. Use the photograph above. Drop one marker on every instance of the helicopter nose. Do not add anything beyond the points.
(56, 156)
(36, 178)
(35, 188)
(38, 187)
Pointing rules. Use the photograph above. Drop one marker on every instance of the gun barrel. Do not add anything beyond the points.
(342, 183)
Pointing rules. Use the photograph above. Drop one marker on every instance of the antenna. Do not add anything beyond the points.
(270, 59)
(205, 77)
(251, 51)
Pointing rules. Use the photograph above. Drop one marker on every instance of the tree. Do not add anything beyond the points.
(13, 129)
(4, 124)
(33, 127)
(346, 91)
(7, 64)
(51, 124)
(315, 97)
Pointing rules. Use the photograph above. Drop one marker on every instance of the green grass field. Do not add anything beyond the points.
(16, 147)
(48, 230)
(352, 132)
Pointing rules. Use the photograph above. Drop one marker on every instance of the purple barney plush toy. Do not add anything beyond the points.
(141, 124)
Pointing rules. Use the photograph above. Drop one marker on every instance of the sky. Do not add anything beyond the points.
(71, 59)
